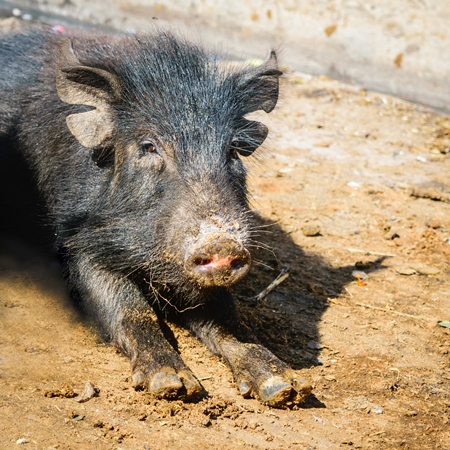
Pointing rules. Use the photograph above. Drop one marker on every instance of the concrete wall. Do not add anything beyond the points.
(394, 46)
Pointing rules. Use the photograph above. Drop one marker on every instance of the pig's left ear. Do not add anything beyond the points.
(82, 85)
(259, 87)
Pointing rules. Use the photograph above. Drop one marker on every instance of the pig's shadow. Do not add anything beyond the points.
(287, 320)
(22, 216)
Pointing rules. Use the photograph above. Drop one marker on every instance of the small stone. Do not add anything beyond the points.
(425, 269)
(311, 230)
(206, 422)
(89, 392)
(434, 223)
(323, 144)
(360, 275)
(391, 235)
(405, 270)
(314, 345)
(22, 441)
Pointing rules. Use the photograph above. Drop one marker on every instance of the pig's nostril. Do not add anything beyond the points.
(237, 264)
(202, 261)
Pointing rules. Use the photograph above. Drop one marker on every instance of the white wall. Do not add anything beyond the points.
(394, 46)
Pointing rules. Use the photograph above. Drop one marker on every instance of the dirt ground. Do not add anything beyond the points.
(354, 189)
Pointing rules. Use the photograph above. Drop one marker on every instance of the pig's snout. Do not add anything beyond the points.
(218, 261)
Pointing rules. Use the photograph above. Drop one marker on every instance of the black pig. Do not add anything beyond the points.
(136, 145)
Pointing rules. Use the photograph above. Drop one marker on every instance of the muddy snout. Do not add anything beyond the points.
(219, 260)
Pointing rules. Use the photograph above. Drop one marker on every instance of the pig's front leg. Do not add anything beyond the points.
(257, 372)
(124, 315)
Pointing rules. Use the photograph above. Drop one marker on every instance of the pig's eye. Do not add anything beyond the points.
(148, 147)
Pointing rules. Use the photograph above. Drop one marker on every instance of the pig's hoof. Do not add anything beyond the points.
(165, 385)
(278, 391)
(169, 384)
(259, 373)
(138, 380)
(275, 391)
(245, 389)
(301, 389)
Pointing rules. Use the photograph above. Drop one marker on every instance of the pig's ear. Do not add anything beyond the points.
(82, 85)
(259, 87)
(249, 137)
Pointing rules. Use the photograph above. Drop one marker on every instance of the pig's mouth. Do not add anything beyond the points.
(220, 261)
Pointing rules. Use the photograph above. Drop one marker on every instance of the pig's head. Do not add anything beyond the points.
(166, 123)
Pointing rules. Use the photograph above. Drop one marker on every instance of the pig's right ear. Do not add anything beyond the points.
(82, 85)
(259, 86)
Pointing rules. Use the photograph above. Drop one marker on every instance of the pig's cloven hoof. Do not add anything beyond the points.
(276, 391)
(169, 384)
(259, 373)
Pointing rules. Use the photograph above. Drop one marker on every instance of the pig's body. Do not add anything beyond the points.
(136, 144)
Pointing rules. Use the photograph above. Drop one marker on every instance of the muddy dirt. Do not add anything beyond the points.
(354, 193)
